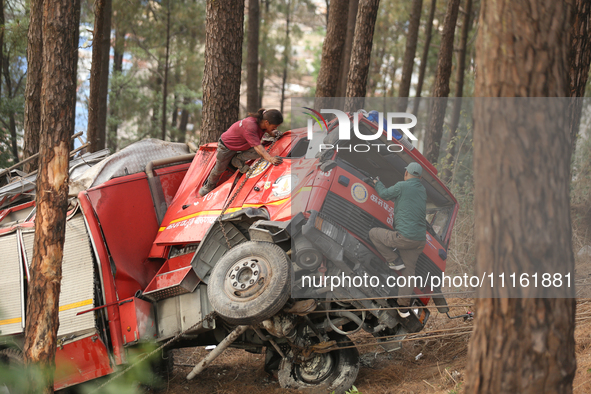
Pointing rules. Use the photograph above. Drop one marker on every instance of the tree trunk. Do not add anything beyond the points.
(223, 58)
(434, 130)
(60, 50)
(5, 71)
(262, 55)
(344, 71)
(409, 54)
(332, 50)
(166, 67)
(118, 51)
(424, 57)
(12, 127)
(286, 50)
(361, 54)
(1, 38)
(580, 57)
(184, 120)
(104, 83)
(96, 70)
(252, 62)
(521, 198)
(75, 4)
(457, 107)
(376, 62)
(33, 88)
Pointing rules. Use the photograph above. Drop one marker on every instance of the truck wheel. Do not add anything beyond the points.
(250, 283)
(11, 361)
(335, 371)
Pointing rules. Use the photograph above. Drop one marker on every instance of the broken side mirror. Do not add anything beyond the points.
(323, 156)
(328, 165)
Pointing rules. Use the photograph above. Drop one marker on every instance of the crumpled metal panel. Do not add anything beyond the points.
(11, 287)
(25, 186)
(78, 276)
(131, 160)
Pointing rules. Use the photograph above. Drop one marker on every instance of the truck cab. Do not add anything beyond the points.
(232, 268)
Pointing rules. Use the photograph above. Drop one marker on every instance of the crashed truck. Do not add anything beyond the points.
(146, 259)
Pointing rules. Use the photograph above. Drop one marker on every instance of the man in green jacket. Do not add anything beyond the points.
(401, 248)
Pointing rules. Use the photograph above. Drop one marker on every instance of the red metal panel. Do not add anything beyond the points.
(137, 321)
(126, 215)
(80, 361)
(107, 277)
(170, 179)
(189, 224)
(125, 211)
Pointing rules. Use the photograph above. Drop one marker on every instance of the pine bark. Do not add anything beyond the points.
(580, 58)
(521, 197)
(332, 52)
(1, 38)
(118, 52)
(409, 54)
(252, 57)
(434, 129)
(96, 69)
(10, 93)
(184, 119)
(75, 32)
(459, 93)
(261, 55)
(347, 47)
(425, 56)
(104, 82)
(166, 70)
(286, 50)
(33, 87)
(361, 54)
(223, 59)
(60, 50)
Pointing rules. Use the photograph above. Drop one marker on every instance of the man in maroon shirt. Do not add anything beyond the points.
(242, 142)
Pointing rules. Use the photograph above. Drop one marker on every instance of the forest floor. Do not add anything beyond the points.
(434, 366)
(425, 366)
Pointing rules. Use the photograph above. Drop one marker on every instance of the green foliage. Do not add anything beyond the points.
(136, 94)
(581, 160)
(145, 374)
(352, 390)
(456, 389)
(12, 78)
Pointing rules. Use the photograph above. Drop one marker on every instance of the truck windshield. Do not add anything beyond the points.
(386, 160)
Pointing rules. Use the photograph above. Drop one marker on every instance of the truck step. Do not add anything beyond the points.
(172, 282)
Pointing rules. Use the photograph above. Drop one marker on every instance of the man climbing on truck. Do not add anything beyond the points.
(242, 142)
(401, 248)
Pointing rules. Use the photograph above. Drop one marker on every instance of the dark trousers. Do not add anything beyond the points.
(409, 250)
(223, 157)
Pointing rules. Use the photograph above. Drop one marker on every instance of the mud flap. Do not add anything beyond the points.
(441, 303)
(213, 247)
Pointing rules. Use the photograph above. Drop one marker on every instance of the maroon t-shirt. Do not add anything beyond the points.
(243, 135)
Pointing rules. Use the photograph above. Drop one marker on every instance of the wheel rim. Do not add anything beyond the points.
(317, 369)
(247, 278)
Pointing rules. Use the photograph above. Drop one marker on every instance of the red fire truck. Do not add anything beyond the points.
(146, 258)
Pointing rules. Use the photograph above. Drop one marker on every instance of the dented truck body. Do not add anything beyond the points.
(146, 258)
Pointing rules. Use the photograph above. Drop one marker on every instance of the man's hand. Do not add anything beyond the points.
(276, 160)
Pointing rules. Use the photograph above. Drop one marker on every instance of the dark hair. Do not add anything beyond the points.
(272, 115)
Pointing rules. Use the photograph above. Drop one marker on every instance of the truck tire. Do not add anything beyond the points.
(250, 283)
(11, 360)
(333, 372)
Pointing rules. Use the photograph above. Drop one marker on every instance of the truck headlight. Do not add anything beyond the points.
(284, 185)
